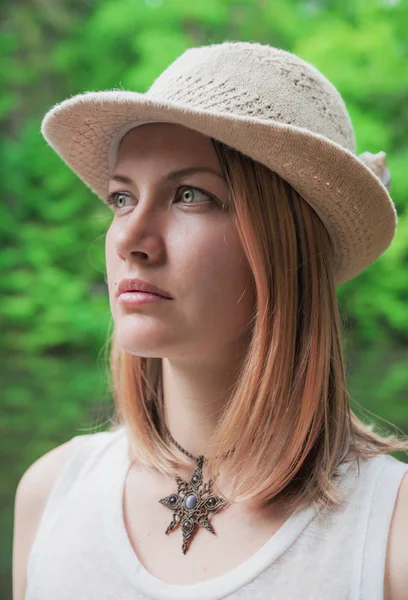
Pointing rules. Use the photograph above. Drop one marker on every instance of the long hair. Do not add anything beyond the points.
(287, 424)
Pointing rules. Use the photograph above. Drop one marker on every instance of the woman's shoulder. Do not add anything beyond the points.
(38, 483)
(396, 573)
(38, 480)
(40, 476)
(32, 493)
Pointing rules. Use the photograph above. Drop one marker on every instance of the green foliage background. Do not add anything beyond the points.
(54, 309)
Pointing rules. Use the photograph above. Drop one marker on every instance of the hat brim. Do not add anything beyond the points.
(349, 198)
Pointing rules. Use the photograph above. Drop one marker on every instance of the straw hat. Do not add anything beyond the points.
(265, 102)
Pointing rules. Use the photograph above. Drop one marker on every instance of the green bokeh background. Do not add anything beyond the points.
(54, 308)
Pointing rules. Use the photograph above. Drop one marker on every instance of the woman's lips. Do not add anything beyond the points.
(137, 298)
(139, 285)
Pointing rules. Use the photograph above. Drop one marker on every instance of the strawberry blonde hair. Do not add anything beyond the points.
(288, 417)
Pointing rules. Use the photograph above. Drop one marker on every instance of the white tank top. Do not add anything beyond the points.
(82, 550)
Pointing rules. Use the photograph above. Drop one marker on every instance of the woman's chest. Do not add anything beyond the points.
(239, 534)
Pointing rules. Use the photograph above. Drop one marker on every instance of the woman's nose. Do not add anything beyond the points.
(141, 230)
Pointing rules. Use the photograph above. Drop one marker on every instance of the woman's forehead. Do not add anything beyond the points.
(162, 130)
(168, 141)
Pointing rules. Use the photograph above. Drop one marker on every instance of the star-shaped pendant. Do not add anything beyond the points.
(192, 503)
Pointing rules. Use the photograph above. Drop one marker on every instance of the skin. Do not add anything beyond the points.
(193, 252)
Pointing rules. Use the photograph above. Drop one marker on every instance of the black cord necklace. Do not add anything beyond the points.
(193, 501)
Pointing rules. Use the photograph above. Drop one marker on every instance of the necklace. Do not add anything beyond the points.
(192, 502)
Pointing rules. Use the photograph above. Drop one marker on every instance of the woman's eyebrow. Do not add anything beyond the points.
(172, 175)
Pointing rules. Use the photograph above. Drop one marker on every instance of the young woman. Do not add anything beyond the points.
(235, 467)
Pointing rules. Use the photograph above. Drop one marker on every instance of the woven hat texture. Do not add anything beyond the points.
(263, 101)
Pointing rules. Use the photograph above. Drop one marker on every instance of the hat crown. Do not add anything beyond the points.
(257, 80)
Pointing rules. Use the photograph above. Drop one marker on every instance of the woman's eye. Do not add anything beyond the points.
(113, 197)
(188, 195)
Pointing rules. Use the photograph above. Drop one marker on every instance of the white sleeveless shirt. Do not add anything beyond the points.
(82, 550)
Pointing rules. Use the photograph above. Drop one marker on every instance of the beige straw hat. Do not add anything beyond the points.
(265, 102)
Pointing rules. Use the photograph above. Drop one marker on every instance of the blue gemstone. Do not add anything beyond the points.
(190, 501)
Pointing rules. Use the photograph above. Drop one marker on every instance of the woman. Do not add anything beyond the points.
(236, 193)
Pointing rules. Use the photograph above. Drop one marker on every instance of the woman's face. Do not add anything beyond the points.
(173, 233)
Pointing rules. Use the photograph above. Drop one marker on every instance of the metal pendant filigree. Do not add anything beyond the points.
(192, 503)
